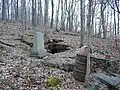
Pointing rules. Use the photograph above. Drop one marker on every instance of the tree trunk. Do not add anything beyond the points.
(95, 28)
(62, 16)
(82, 4)
(93, 15)
(4, 9)
(46, 13)
(12, 9)
(40, 16)
(118, 20)
(111, 23)
(41, 13)
(34, 12)
(89, 41)
(57, 14)
(52, 3)
(68, 17)
(107, 17)
(16, 11)
(76, 23)
(29, 14)
(69, 20)
(22, 11)
(65, 14)
(115, 28)
(102, 19)
(8, 8)
(23, 14)
(71, 17)
(99, 33)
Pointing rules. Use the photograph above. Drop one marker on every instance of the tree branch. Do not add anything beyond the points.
(113, 7)
(117, 6)
(7, 44)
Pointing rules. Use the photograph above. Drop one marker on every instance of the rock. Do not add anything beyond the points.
(83, 51)
(67, 67)
(111, 81)
(65, 64)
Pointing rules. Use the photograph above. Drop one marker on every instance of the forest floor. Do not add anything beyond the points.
(19, 70)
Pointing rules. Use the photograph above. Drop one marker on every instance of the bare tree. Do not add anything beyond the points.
(117, 5)
(89, 41)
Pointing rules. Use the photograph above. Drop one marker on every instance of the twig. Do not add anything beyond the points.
(7, 44)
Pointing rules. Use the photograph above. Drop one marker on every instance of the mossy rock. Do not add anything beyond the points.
(53, 82)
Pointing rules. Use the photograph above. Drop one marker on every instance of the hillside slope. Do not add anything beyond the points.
(29, 73)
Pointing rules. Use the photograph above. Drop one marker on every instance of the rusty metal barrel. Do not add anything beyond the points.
(80, 68)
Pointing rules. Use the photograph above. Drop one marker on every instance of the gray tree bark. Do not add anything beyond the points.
(40, 15)
(102, 19)
(12, 9)
(23, 13)
(89, 41)
(34, 12)
(46, 12)
(82, 4)
(115, 28)
(68, 17)
(57, 14)
(62, 15)
(29, 13)
(16, 10)
(100, 32)
(71, 16)
(8, 8)
(118, 20)
(93, 15)
(52, 15)
(4, 14)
